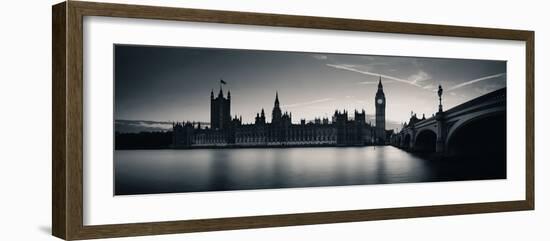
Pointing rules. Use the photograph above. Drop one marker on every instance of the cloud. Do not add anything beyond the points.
(319, 56)
(419, 77)
(475, 81)
(373, 82)
(368, 82)
(144, 122)
(429, 86)
(487, 88)
(307, 103)
(134, 126)
(346, 67)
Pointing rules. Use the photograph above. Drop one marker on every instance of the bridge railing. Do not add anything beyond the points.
(499, 94)
(424, 121)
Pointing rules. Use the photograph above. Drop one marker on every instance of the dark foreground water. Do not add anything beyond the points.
(167, 171)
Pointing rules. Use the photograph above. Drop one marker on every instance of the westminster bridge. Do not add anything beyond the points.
(476, 127)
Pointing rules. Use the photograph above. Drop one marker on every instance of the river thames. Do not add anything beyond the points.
(199, 170)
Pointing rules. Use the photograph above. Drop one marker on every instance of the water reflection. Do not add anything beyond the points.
(166, 171)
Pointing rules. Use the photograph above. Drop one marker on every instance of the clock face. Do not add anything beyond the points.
(380, 101)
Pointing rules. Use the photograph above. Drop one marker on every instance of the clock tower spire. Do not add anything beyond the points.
(380, 105)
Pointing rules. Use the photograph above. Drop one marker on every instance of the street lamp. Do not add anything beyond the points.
(440, 93)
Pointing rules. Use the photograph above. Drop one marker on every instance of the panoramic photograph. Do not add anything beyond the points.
(190, 119)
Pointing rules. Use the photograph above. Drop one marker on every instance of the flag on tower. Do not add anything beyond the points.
(222, 82)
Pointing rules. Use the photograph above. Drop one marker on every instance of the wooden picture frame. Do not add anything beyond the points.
(67, 124)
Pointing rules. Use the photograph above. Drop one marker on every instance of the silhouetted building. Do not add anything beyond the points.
(227, 132)
(380, 103)
(220, 110)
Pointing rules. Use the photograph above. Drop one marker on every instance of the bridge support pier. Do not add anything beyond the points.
(440, 146)
(441, 133)
(413, 140)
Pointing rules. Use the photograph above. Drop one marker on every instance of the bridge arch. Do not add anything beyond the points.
(467, 118)
(425, 141)
(398, 140)
(481, 135)
(406, 141)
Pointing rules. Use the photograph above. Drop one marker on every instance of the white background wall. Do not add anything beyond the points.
(25, 122)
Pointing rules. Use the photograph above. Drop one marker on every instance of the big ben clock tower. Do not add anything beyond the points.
(380, 104)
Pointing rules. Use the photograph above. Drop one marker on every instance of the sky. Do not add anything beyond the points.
(163, 84)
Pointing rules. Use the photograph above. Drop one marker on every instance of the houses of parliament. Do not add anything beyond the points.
(225, 131)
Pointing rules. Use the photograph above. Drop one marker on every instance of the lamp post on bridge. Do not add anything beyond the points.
(440, 93)
(439, 117)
